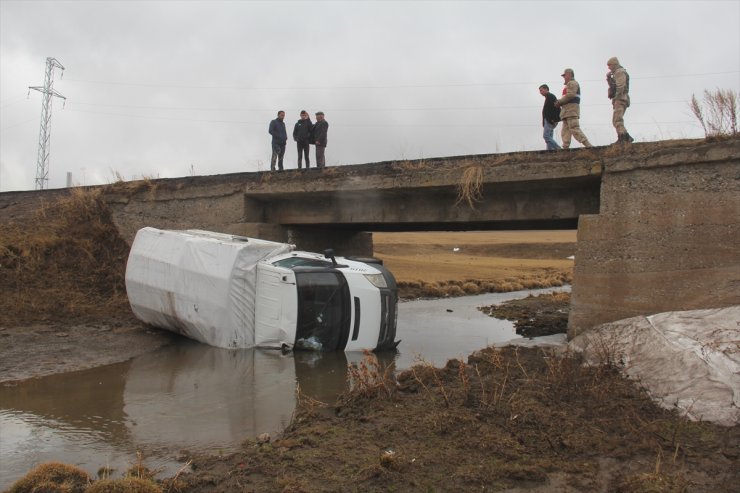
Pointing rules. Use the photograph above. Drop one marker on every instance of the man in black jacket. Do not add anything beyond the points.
(320, 129)
(279, 139)
(550, 118)
(302, 137)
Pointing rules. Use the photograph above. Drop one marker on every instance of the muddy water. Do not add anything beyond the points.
(203, 399)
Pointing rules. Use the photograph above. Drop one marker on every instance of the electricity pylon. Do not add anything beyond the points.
(42, 163)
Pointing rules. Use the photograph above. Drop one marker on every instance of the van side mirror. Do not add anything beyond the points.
(329, 253)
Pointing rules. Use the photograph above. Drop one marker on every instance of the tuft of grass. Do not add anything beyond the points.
(306, 404)
(138, 470)
(368, 380)
(409, 165)
(655, 481)
(124, 485)
(717, 114)
(469, 188)
(52, 477)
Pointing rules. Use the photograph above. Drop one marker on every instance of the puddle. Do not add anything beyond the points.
(203, 399)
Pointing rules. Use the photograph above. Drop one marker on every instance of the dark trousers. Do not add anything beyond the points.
(320, 158)
(278, 151)
(303, 150)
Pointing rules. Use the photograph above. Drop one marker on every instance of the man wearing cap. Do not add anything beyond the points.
(570, 110)
(619, 92)
(320, 129)
(279, 139)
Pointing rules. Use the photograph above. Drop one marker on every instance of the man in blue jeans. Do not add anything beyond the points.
(550, 118)
(279, 139)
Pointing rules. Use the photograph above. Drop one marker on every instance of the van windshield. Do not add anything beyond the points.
(323, 311)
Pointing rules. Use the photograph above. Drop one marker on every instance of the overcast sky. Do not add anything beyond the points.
(174, 88)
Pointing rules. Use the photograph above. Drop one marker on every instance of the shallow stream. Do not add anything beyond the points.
(193, 397)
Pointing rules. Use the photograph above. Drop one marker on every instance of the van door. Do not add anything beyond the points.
(276, 307)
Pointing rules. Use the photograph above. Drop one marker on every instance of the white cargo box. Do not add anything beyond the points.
(198, 283)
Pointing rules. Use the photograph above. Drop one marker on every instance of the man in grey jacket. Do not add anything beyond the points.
(619, 92)
(570, 110)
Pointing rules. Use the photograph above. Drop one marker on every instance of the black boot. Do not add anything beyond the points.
(628, 138)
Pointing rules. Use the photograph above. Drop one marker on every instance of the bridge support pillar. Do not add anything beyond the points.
(666, 239)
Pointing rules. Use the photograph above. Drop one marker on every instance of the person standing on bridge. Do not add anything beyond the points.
(320, 131)
(570, 110)
(302, 137)
(619, 92)
(550, 118)
(279, 140)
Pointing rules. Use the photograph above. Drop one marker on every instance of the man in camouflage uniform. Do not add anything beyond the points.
(619, 92)
(570, 110)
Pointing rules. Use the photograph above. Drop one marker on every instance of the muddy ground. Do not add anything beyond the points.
(503, 420)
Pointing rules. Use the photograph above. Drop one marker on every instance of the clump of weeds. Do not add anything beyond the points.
(369, 380)
(52, 476)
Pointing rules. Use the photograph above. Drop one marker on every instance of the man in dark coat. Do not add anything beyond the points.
(302, 137)
(279, 139)
(550, 118)
(320, 130)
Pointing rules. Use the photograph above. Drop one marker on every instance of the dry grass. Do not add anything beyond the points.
(718, 113)
(68, 260)
(446, 289)
(409, 165)
(53, 477)
(124, 485)
(369, 380)
(469, 188)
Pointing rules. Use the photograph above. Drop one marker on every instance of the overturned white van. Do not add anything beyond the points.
(236, 292)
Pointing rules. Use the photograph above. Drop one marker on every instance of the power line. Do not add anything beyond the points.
(72, 104)
(369, 86)
(13, 101)
(351, 125)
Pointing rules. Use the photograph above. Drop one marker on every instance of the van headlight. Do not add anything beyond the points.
(376, 280)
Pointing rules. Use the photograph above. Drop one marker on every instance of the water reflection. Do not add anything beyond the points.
(186, 396)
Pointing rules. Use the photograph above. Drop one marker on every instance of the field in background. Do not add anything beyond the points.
(455, 263)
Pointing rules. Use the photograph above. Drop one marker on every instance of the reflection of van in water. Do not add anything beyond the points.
(235, 292)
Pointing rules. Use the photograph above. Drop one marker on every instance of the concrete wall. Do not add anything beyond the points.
(218, 206)
(667, 236)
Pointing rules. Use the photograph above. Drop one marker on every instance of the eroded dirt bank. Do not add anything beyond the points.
(504, 420)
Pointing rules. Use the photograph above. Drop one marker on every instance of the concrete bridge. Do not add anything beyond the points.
(658, 223)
